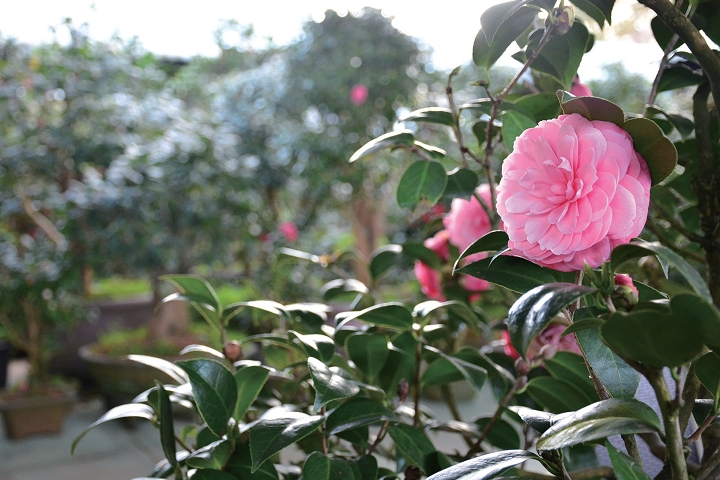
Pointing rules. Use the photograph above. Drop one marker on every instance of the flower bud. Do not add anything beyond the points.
(412, 472)
(521, 367)
(403, 389)
(233, 351)
(625, 294)
(563, 18)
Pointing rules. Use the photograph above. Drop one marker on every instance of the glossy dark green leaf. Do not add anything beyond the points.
(357, 412)
(599, 10)
(631, 250)
(503, 434)
(322, 467)
(624, 466)
(491, 241)
(675, 77)
(646, 293)
(392, 139)
(514, 273)
(652, 337)
(331, 383)
(130, 410)
(485, 467)
(479, 128)
(315, 345)
(557, 396)
(214, 389)
(562, 54)
(439, 115)
(384, 258)
(195, 288)
(399, 365)
(212, 456)
(592, 108)
(662, 33)
(277, 430)
(340, 286)
(650, 142)
(700, 311)
(240, 465)
(448, 369)
(461, 183)
(434, 152)
(249, 380)
(583, 324)
(488, 47)
(423, 180)
(367, 465)
(537, 419)
(615, 416)
(415, 446)
(392, 315)
(711, 16)
(168, 368)
(418, 251)
(533, 311)
(571, 367)
(166, 426)
(368, 351)
(707, 369)
(542, 105)
(212, 475)
(513, 124)
(619, 378)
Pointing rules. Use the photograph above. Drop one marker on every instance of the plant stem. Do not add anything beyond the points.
(496, 416)
(378, 439)
(456, 119)
(416, 392)
(670, 410)
(323, 432)
(704, 425)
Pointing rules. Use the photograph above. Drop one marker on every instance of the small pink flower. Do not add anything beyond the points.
(358, 94)
(549, 339)
(429, 278)
(439, 244)
(571, 191)
(467, 220)
(474, 284)
(580, 89)
(508, 346)
(290, 231)
(625, 295)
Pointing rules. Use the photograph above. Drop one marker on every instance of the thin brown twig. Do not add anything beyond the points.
(496, 416)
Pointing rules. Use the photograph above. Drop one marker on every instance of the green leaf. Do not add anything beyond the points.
(537, 419)
(557, 396)
(383, 259)
(513, 124)
(215, 391)
(622, 253)
(130, 410)
(196, 289)
(678, 76)
(653, 338)
(357, 412)
(168, 368)
(650, 142)
(533, 311)
(368, 351)
(391, 139)
(240, 465)
(212, 475)
(400, 363)
(491, 241)
(514, 273)
(166, 426)
(418, 251)
(503, 435)
(707, 370)
(479, 128)
(440, 115)
(337, 287)
(599, 10)
(422, 180)
(321, 467)
(592, 108)
(315, 345)
(367, 467)
(542, 105)
(620, 379)
(500, 15)
(486, 467)
(699, 311)
(213, 456)
(561, 56)
(615, 416)
(279, 429)
(624, 466)
(571, 367)
(448, 369)
(331, 383)
(415, 447)
(461, 183)
(249, 380)
(392, 315)
(434, 152)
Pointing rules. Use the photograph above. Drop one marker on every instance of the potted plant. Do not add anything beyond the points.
(38, 297)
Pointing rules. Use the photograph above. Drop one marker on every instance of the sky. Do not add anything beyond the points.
(186, 29)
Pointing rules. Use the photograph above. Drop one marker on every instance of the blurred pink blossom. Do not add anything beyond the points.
(429, 278)
(358, 94)
(289, 230)
(580, 89)
(467, 220)
(549, 341)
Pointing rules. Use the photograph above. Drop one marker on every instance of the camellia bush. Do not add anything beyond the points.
(579, 259)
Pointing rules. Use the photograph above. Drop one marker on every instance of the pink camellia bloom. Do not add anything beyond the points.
(572, 190)
(625, 295)
(580, 89)
(549, 341)
(429, 278)
(358, 94)
(290, 231)
(474, 284)
(467, 220)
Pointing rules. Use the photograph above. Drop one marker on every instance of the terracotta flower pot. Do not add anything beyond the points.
(27, 414)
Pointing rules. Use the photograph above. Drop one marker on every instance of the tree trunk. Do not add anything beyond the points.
(368, 225)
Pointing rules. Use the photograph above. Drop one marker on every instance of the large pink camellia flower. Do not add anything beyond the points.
(572, 190)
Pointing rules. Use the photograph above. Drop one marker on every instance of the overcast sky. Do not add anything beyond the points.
(186, 29)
